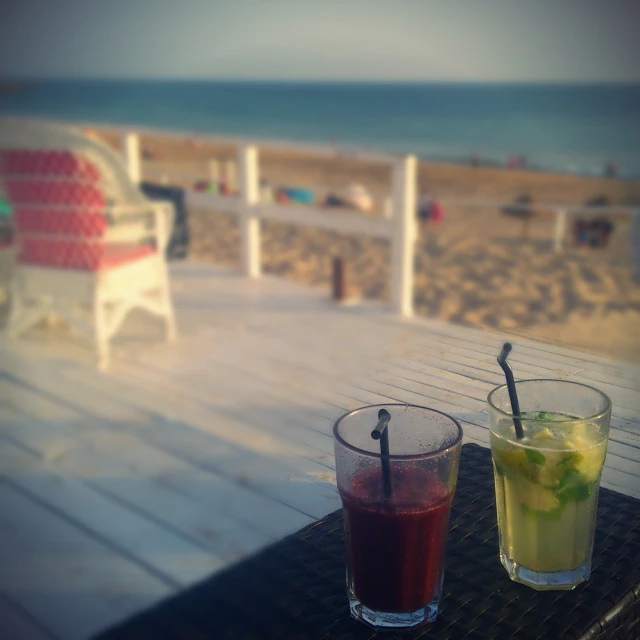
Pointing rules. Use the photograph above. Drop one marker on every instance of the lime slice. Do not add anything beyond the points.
(534, 496)
(512, 461)
(590, 463)
(543, 434)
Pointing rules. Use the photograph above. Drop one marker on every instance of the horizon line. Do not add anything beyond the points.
(11, 79)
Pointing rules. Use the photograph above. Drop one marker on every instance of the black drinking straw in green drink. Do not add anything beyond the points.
(511, 387)
(381, 432)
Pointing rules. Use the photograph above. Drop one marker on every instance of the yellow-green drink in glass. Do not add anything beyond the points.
(547, 482)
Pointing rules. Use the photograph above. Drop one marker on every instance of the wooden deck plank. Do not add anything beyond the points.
(530, 360)
(132, 475)
(199, 522)
(169, 557)
(537, 349)
(184, 446)
(15, 457)
(408, 337)
(247, 454)
(219, 362)
(15, 624)
(315, 497)
(37, 548)
(276, 292)
(230, 393)
(524, 366)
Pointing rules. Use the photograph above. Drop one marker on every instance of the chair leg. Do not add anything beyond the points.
(167, 306)
(170, 320)
(16, 313)
(100, 333)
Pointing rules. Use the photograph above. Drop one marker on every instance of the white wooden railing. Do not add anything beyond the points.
(562, 212)
(397, 225)
(399, 228)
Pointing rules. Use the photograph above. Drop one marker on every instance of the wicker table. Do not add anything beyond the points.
(295, 589)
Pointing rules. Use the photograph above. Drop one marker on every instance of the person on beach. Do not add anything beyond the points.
(429, 209)
(424, 204)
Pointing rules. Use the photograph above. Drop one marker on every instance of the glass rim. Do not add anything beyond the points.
(595, 416)
(396, 456)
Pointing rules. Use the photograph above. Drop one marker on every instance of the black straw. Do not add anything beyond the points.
(381, 432)
(511, 387)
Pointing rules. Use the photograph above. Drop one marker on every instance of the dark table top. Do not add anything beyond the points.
(295, 589)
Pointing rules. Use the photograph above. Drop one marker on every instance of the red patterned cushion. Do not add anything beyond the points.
(63, 221)
(47, 163)
(61, 192)
(78, 255)
(59, 211)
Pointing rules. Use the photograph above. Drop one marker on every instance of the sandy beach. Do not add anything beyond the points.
(475, 268)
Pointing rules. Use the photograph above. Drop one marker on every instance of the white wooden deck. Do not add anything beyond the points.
(118, 489)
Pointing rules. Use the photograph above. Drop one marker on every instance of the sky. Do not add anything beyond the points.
(314, 40)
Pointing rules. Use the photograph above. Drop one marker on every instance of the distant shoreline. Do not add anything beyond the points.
(329, 82)
(327, 149)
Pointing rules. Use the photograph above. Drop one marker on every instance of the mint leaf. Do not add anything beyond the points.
(569, 479)
(572, 487)
(583, 492)
(566, 459)
(535, 456)
(578, 493)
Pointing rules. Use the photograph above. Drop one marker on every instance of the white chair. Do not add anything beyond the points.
(90, 247)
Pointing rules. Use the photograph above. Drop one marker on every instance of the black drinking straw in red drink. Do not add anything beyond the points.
(381, 432)
(511, 388)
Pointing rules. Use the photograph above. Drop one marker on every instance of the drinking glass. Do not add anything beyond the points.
(396, 510)
(547, 482)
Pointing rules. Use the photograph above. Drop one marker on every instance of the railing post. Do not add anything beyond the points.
(131, 152)
(559, 230)
(403, 235)
(249, 222)
(230, 173)
(214, 171)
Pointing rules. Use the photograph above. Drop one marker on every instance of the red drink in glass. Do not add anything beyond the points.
(407, 541)
(395, 540)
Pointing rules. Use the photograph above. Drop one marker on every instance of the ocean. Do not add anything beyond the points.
(572, 128)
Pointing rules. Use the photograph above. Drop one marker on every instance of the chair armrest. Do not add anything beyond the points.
(131, 222)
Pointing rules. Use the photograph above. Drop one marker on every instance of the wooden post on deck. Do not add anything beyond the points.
(403, 236)
(249, 222)
(339, 280)
(560, 229)
(131, 152)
